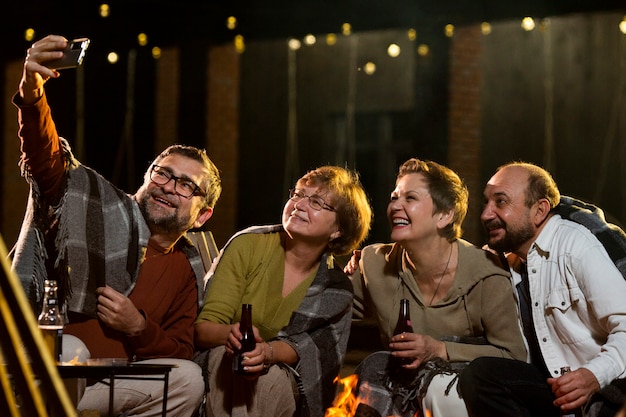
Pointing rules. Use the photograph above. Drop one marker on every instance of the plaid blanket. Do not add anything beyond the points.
(101, 238)
(592, 217)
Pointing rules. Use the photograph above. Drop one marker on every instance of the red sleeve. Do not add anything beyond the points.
(40, 146)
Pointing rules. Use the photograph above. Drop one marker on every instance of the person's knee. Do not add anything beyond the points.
(74, 349)
(187, 377)
(468, 378)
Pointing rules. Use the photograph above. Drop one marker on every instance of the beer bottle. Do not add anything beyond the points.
(51, 320)
(577, 412)
(403, 326)
(247, 341)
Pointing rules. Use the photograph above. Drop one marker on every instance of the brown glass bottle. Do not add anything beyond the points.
(51, 321)
(577, 412)
(247, 338)
(403, 326)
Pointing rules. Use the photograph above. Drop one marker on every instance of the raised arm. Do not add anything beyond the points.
(42, 154)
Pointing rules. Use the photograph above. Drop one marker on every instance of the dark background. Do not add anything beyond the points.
(410, 108)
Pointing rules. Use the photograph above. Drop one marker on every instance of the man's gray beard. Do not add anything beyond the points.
(166, 224)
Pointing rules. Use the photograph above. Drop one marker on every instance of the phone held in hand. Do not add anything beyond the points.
(73, 55)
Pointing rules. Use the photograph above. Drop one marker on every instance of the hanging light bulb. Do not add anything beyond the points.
(240, 45)
(104, 10)
(310, 39)
(449, 30)
(142, 39)
(294, 44)
(393, 50)
(29, 34)
(231, 22)
(528, 24)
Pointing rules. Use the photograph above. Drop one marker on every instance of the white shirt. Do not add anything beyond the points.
(579, 301)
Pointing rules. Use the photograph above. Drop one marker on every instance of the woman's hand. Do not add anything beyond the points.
(417, 347)
(353, 263)
(233, 342)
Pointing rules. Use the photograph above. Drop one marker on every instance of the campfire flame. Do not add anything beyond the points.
(346, 403)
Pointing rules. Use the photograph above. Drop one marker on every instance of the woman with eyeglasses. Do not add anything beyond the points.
(301, 300)
(460, 299)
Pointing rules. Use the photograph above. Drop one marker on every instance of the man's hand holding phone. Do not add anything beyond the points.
(43, 60)
(73, 55)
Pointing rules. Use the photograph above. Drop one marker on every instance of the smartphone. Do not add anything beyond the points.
(73, 55)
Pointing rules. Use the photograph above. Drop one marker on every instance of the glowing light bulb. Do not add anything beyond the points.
(104, 10)
(294, 44)
(528, 24)
(393, 50)
(449, 30)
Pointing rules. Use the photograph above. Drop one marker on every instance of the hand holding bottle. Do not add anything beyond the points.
(410, 349)
(573, 389)
(417, 349)
(245, 344)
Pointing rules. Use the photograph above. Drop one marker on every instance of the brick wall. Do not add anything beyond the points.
(465, 119)
(166, 99)
(222, 137)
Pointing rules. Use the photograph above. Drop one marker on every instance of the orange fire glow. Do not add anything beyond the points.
(345, 403)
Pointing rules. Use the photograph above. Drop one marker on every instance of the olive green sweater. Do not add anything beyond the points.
(480, 303)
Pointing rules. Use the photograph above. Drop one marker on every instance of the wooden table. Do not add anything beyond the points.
(137, 371)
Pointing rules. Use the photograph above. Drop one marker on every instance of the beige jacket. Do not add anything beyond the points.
(479, 305)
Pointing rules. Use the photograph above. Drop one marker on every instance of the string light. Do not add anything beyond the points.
(393, 50)
(113, 57)
(449, 30)
(310, 39)
(29, 34)
(294, 44)
(369, 68)
(528, 24)
(240, 45)
(104, 10)
(142, 39)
